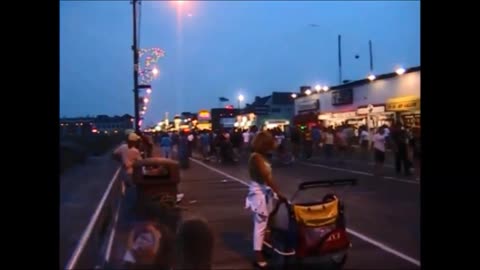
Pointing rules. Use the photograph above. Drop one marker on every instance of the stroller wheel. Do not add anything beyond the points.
(338, 263)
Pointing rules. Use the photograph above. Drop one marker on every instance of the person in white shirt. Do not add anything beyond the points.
(379, 150)
(246, 141)
(364, 141)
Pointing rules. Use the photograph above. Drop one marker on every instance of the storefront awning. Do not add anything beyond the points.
(407, 103)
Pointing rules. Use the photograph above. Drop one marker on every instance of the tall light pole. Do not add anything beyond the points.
(339, 59)
(371, 56)
(135, 67)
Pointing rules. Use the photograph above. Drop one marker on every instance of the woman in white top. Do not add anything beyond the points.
(262, 190)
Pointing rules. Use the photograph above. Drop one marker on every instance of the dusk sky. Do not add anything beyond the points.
(224, 49)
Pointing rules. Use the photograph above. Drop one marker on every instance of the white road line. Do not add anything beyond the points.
(358, 172)
(384, 247)
(355, 233)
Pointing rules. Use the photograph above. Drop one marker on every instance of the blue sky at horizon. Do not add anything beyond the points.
(224, 49)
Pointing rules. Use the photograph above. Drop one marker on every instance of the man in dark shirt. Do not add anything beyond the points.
(399, 140)
(308, 144)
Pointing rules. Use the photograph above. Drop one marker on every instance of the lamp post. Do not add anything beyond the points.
(135, 67)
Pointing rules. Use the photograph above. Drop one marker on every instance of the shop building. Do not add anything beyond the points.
(307, 107)
(223, 118)
(273, 111)
(389, 98)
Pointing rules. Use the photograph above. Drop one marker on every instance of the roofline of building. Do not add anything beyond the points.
(366, 80)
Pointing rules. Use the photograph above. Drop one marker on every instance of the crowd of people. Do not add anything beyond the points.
(334, 144)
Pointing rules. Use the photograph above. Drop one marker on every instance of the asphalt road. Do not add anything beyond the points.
(383, 213)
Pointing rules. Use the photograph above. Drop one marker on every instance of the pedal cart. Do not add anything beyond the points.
(298, 232)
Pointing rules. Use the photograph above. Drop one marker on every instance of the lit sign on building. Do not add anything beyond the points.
(204, 115)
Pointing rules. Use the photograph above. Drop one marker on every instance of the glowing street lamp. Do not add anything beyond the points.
(155, 71)
(400, 71)
(145, 100)
(371, 77)
(240, 99)
(318, 87)
(308, 92)
(144, 108)
(325, 88)
(149, 91)
(294, 95)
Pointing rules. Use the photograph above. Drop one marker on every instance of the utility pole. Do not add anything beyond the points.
(371, 55)
(135, 67)
(339, 59)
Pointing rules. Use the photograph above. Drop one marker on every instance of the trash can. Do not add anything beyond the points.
(156, 180)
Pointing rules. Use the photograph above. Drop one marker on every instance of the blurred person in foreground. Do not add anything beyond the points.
(150, 245)
(262, 191)
(195, 242)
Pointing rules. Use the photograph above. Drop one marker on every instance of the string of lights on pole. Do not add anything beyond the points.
(148, 71)
(149, 58)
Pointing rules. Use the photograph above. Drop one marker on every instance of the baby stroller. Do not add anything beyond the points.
(315, 231)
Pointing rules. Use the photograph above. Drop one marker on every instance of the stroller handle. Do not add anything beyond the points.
(327, 183)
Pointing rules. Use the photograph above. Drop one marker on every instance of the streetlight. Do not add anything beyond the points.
(318, 87)
(240, 99)
(371, 77)
(400, 71)
(325, 88)
(149, 91)
(155, 71)
(145, 100)
(308, 92)
(144, 108)
(294, 95)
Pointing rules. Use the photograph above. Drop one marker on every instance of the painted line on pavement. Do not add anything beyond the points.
(358, 172)
(353, 232)
(357, 162)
